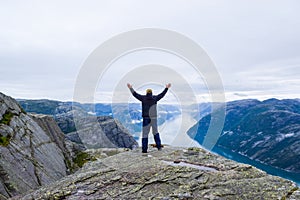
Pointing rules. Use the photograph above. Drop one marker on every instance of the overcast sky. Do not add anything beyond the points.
(254, 44)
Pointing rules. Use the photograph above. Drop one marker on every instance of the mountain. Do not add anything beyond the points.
(84, 123)
(195, 174)
(36, 157)
(32, 150)
(264, 132)
(42, 106)
(126, 114)
(103, 132)
(35, 152)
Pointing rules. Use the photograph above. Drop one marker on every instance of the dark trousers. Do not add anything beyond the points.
(147, 124)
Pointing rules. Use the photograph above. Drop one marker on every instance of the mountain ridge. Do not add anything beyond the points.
(264, 131)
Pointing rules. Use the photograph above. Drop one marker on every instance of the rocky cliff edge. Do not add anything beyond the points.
(29, 156)
(173, 173)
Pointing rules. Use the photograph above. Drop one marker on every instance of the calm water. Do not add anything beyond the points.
(269, 169)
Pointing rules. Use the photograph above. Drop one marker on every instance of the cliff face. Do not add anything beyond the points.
(198, 174)
(103, 132)
(48, 124)
(31, 155)
(92, 131)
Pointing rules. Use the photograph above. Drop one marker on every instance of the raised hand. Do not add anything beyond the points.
(129, 85)
(168, 85)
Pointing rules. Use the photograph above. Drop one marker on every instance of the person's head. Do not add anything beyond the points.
(148, 91)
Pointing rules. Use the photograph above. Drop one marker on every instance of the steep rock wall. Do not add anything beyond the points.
(29, 157)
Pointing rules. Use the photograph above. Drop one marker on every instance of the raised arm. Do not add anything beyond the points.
(134, 93)
(161, 95)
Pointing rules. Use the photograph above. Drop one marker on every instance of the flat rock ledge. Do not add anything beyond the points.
(195, 174)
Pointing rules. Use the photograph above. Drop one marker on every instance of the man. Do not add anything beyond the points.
(149, 114)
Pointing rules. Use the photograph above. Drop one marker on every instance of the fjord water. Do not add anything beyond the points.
(295, 177)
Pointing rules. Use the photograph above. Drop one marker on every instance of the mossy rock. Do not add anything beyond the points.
(6, 118)
(83, 157)
(5, 140)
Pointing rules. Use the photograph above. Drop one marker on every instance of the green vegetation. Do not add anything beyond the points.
(83, 157)
(4, 140)
(70, 165)
(6, 118)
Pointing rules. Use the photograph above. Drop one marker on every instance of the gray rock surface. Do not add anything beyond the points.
(74, 137)
(64, 116)
(92, 131)
(103, 132)
(198, 175)
(48, 124)
(30, 157)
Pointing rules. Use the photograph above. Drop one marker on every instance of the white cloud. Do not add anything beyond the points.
(255, 44)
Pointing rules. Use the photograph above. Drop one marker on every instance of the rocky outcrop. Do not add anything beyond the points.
(71, 150)
(173, 173)
(93, 131)
(104, 132)
(30, 155)
(48, 124)
(82, 128)
(64, 116)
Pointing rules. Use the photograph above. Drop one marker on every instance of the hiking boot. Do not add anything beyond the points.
(157, 141)
(144, 145)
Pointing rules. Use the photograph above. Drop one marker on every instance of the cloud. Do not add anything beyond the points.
(254, 44)
(276, 76)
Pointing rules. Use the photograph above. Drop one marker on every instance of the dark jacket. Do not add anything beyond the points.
(149, 102)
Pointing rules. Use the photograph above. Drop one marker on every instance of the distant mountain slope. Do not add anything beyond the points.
(42, 106)
(266, 132)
